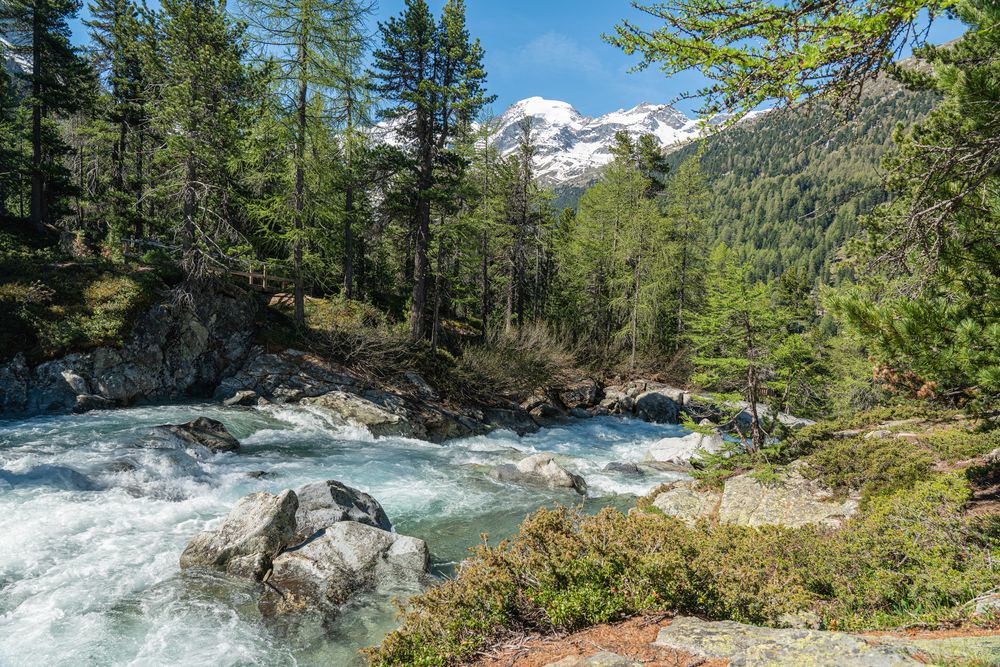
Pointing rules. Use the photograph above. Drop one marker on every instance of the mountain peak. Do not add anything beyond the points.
(573, 147)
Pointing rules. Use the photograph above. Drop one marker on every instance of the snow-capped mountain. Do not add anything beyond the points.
(12, 61)
(572, 147)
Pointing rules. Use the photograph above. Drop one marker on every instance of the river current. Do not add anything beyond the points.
(93, 520)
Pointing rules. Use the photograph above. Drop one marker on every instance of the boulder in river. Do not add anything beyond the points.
(340, 560)
(624, 468)
(679, 452)
(540, 470)
(208, 433)
(256, 530)
(661, 406)
(363, 412)
(312, 549)
(323, 504)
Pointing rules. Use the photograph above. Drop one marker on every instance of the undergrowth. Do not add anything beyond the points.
(910, 556)
(51, 304)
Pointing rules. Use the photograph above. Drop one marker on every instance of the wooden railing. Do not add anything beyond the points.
(263, 280)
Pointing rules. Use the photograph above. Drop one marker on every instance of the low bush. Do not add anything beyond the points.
(908, 556)
(512, 364)
(870, 466)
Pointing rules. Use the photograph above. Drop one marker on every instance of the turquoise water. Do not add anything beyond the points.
(94, 514)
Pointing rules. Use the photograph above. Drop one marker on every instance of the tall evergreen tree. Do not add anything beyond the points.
(309, 41)
(686, 208)
(59, 84)
(734, 336)
(117, 33)
(431, 75)
(199, 113)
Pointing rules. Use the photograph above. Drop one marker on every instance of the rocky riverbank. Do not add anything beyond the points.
(205, 348)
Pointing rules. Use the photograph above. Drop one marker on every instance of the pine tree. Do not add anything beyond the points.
(59, 84)
(199, 113)
(929, 308)
(431, 75)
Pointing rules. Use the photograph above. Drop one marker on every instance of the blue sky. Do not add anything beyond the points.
(553, 48)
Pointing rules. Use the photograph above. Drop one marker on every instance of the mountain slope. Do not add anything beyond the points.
(789, 188)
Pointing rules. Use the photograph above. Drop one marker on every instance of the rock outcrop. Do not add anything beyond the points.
(540, 470)
(752, 646)
(205, 432)
(174, 351)
(313, 548)
(685, 502)
(791, 501)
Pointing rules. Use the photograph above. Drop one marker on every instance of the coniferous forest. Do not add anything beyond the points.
(303, 234)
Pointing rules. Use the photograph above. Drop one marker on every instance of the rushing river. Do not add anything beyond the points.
(93, 519)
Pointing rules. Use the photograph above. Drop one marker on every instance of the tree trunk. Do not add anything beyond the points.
(190, 210)
(349, 210)
(682, 285)
(300, 148)
(418, 315)
(37, 177)
(139, 185)
(484, 296)
(438, 293)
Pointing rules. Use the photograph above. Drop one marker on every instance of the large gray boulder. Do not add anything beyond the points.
(341, 560)
(208, 433)
(323, 504)
(752, 646)
(353, 409)
(540, 470)
(679, 452)
(660, 406)
(792, 501)
(256, 530)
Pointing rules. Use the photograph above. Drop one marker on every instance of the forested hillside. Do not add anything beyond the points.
(788, 188)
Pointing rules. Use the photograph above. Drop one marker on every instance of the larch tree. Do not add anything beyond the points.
(734, 335)
(310, 42)
(686, 209)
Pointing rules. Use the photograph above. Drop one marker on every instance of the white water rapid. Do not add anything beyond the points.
(93, 520)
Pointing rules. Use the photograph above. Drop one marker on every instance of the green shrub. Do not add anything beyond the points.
(910, 555)
(870, 466)
(956, 444)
